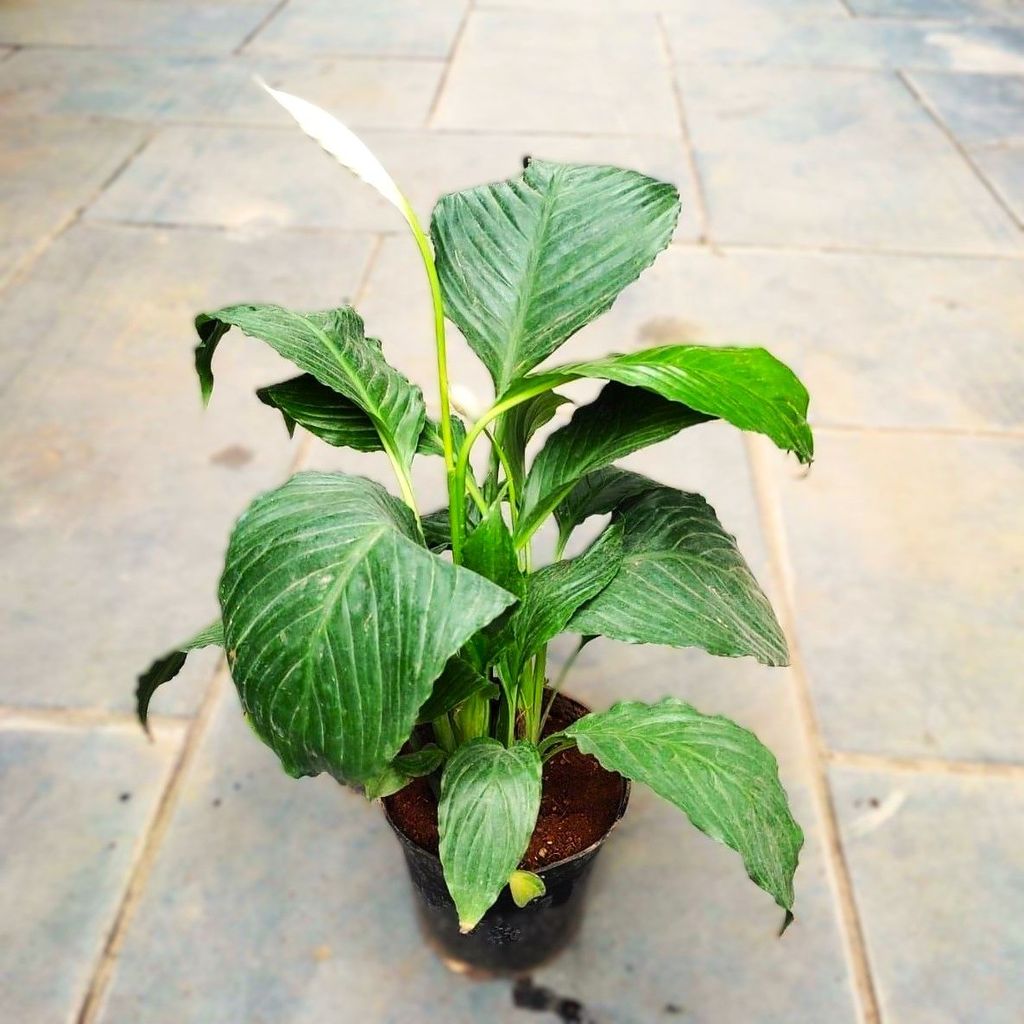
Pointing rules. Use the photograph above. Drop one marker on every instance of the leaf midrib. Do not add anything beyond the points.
(388, 439)
(509, 362)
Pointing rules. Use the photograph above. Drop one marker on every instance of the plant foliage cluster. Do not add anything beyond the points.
(351, 616)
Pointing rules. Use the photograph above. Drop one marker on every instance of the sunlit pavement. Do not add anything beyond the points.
(852, 174)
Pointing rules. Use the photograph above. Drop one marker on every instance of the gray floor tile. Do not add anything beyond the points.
(834, 158)
(906, 552)
(250, 177)
(977, 109)
(559, 72)
(1004, 168)
(851, 43)
(325, 937)
(119, 490)
(389, 28)
(49, 171)
(192, 26)
(936, 868)
(731, 10)
(75, 804)
(880, 341)
(177, 87)
(937, 8)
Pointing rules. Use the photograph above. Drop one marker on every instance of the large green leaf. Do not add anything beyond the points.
(717, 773)
(332, 346)
(338, 420)
(490, 797)
(526, 263)
(554, 593)
(682, 582)
(621, 420)
(747, 387)
(599, 492)
(166, 667)
(337, 622)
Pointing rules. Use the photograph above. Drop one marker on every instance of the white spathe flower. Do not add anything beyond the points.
(343, 144)
(464, 400)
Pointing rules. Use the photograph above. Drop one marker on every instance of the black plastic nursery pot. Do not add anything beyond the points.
(509, 940)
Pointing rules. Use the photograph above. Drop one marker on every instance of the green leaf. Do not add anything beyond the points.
(165, 668)
(403, 769)
(490, 797)
(337, 622)
(718, 774)
(599, 492)
(489, 551)
(520, 423)
(338, 420)
(437, 529)
(332, 347)
(554, 593)
(458, 682)
(323, 412)
(620, 421)
(526, 263)
(526, 887)
(682, 582)
(747, 387)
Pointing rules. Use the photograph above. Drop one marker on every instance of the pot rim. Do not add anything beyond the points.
(592, 848)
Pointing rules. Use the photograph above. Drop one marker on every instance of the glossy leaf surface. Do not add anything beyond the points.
(719, 774)
(526, 263)
(337, 622)
(619, 421)
(331, 346)
(682, 582)
(601, 491)
(490, 798)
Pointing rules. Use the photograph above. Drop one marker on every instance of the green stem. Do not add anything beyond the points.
(556, 687)
(456, 494)
(476, 495)
(513, 501)
(462, 462)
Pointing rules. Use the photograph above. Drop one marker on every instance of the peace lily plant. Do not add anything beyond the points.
(380, 642)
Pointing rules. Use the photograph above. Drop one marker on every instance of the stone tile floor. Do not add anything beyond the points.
(853, 179)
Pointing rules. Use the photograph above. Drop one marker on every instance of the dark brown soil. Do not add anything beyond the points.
(579, 802)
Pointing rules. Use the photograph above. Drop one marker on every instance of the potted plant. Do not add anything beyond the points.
(404, 651)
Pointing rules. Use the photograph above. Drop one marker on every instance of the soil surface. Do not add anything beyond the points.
(579, 802)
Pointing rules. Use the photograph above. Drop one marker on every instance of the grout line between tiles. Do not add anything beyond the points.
(925, 765)
(152, 838)
(773, 528)
(932, 113)
(720, 248)
(260, 26)
(13, 717)
(442, 82)
(28, 260)
(703, 219)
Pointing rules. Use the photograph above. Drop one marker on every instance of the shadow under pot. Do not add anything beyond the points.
(580, 804)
